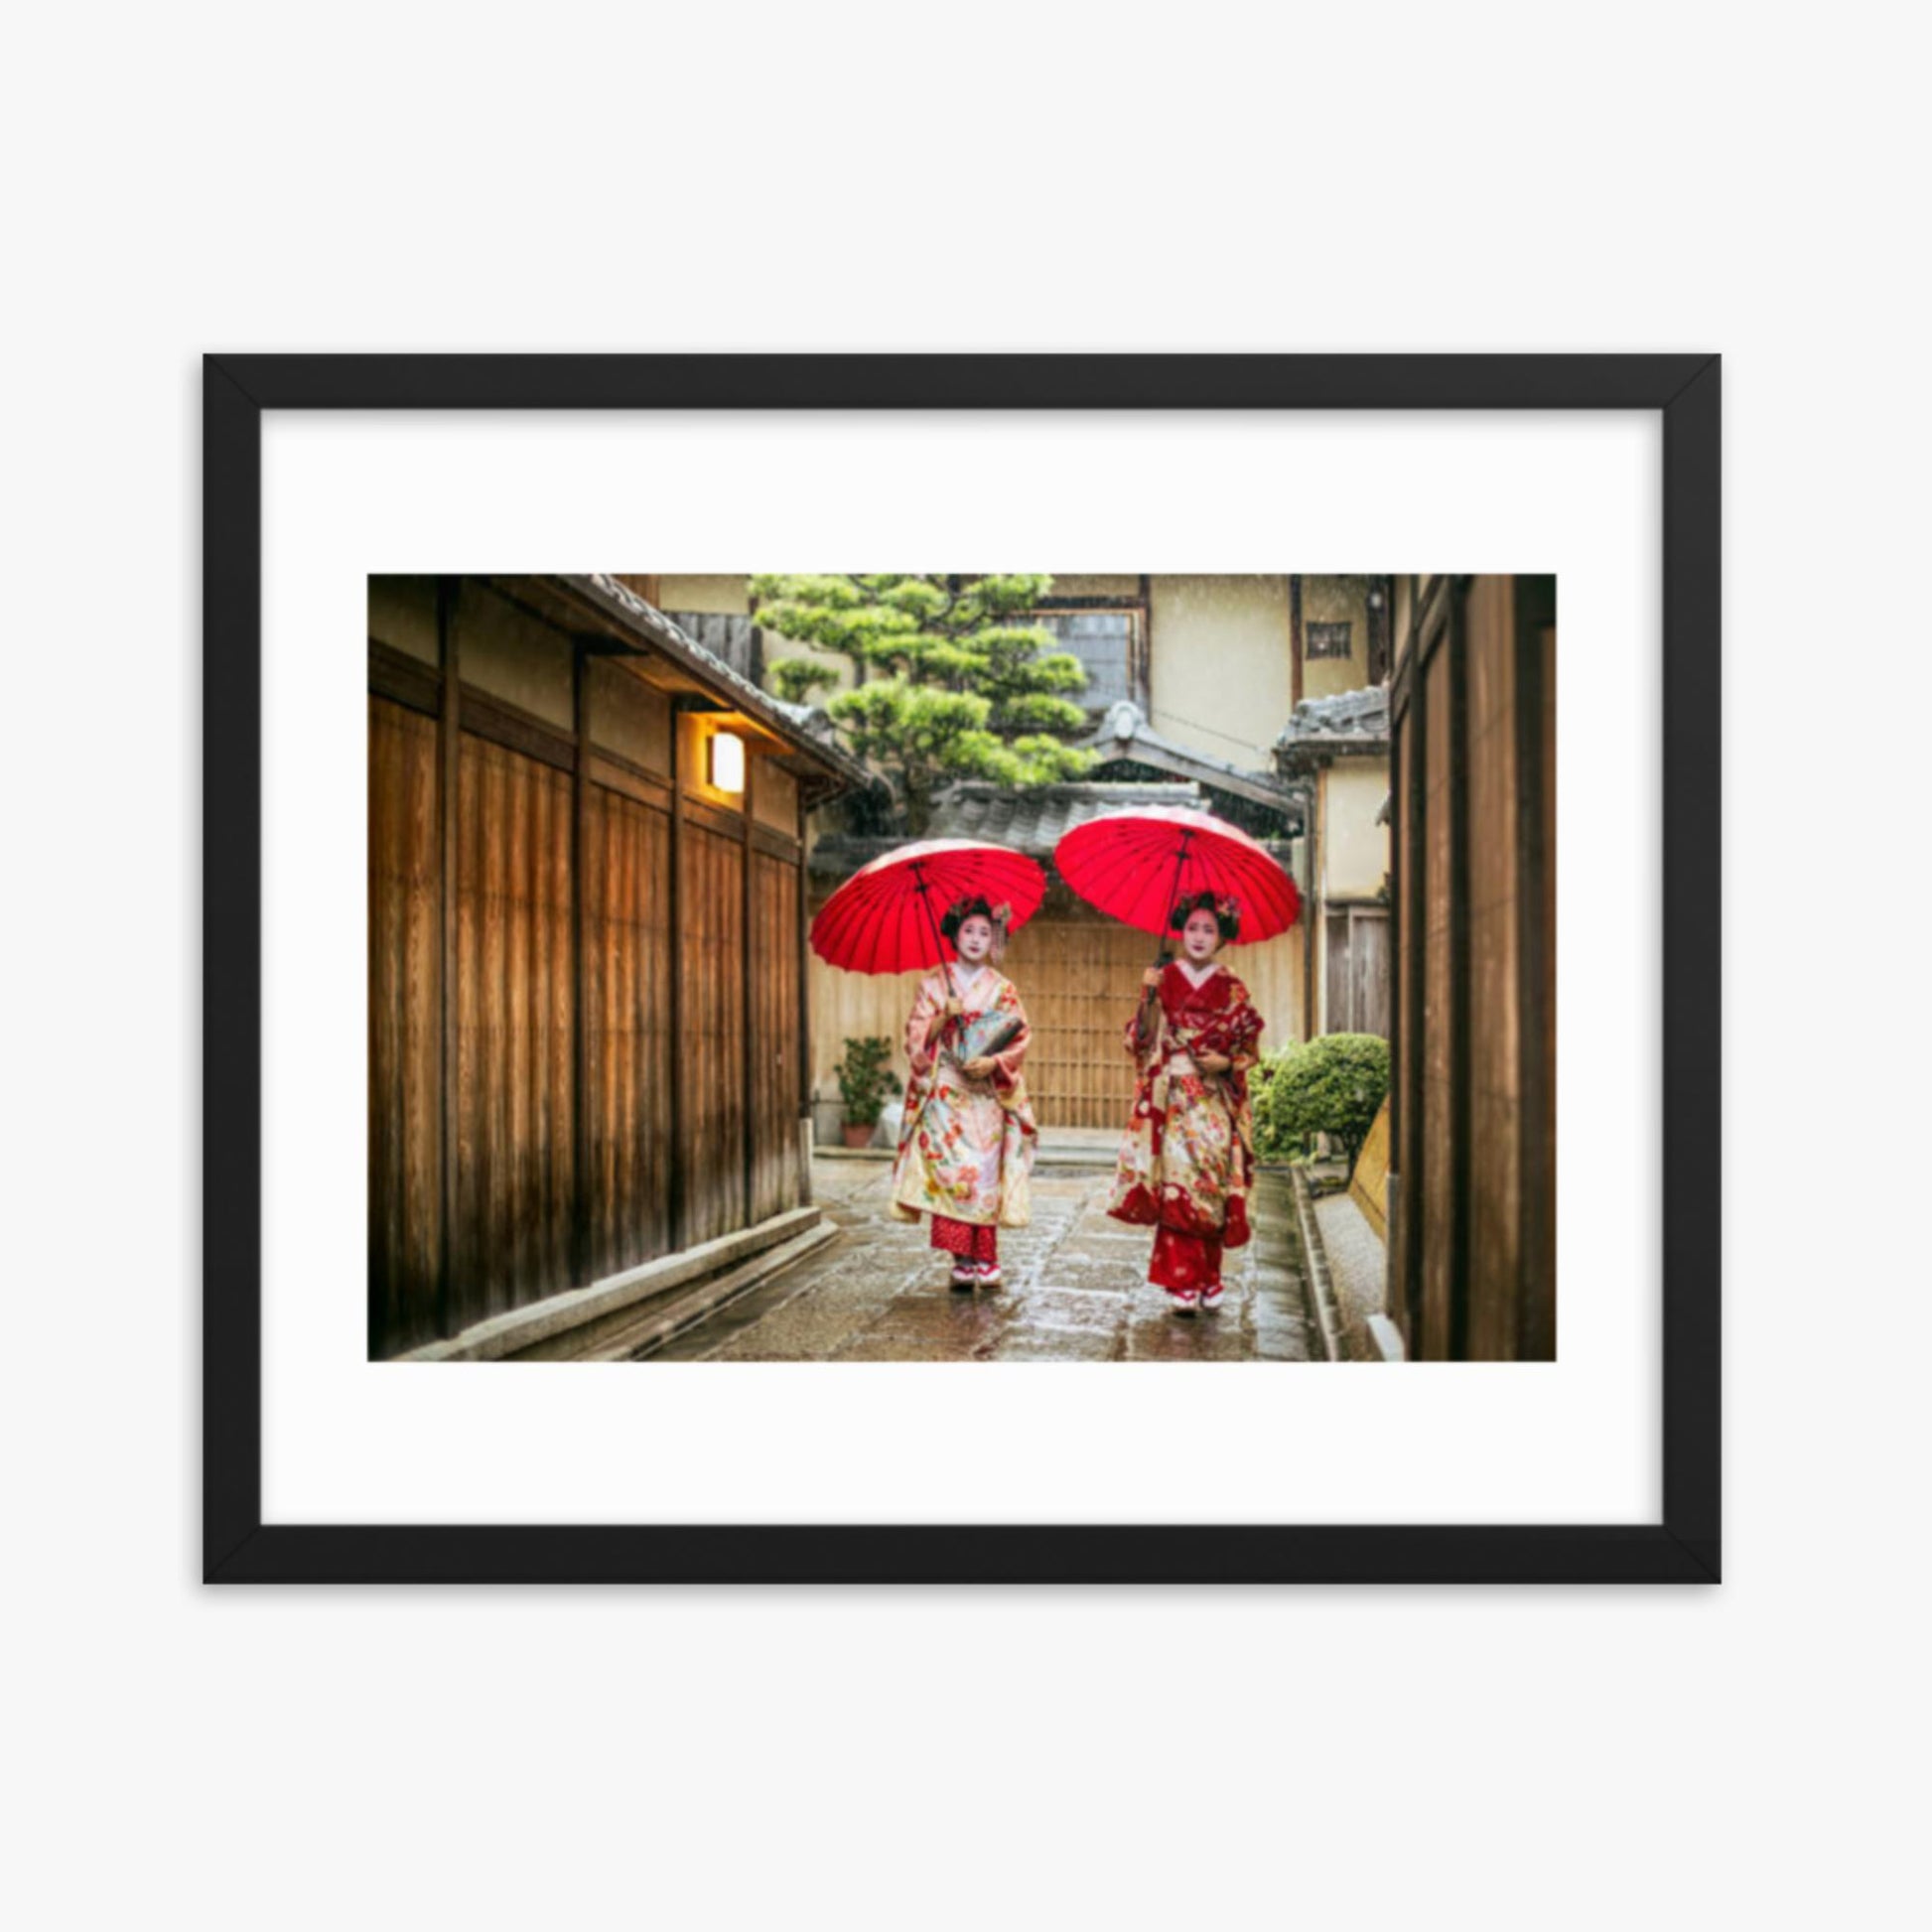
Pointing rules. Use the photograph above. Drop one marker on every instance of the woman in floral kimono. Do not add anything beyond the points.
(966, 1145)
(1186, 1159)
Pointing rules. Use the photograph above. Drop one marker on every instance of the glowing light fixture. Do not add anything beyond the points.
(727, 757)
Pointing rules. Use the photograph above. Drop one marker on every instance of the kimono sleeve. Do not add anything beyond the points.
(1006, 1062)
(928, 1013)
(1244, 1030)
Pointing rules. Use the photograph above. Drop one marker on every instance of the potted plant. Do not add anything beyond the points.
(865, 1081)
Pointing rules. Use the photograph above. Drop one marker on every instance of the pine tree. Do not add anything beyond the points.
(948, 681)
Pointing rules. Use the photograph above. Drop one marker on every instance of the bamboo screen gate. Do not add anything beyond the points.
(557, 1091)
(1473, 1263)
(1079, 979)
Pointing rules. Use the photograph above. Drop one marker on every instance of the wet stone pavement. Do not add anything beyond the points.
(1076, 1289)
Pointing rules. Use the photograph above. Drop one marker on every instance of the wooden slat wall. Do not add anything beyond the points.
(1474, 1245)
(1358, 970)
(1404, 1088)
(492, 1102)
(515, 1005)
(854, 1006)
(1495, 1206)
(1369, 962)
(628, 873)
(1337, 990)
(711, 1051)
(405, 1021)
(1539, 1317)
(777, 1166)
(1438, 1202)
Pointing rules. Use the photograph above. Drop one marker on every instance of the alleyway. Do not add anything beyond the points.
(1076, 1289)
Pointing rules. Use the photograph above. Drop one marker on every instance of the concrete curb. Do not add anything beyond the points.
(607, 1320)
(1322, 1305)
(1385, 1339)
(670, 1323)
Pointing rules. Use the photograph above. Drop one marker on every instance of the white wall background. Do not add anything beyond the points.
(1219, 178)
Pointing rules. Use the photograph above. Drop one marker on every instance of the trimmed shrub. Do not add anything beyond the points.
(1334, 1085)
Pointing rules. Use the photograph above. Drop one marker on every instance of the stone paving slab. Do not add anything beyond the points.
(1075, 1290)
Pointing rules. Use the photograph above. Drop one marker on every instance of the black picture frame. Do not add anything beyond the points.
(239, 1547)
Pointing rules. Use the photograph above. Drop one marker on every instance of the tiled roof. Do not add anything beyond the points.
(801, 724)
(1036, 819)
(1032, 821)
(1350, 721)
(1125, 732)
(1350, 714)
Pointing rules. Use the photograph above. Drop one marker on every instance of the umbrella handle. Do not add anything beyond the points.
(1142, 1031)
(1173, 896)
(1159, 955)
(940, 947)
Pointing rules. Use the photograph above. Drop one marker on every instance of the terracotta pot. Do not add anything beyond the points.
(859, 1136)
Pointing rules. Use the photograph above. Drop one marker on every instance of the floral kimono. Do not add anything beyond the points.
(1186, 1159)
(966, 1147)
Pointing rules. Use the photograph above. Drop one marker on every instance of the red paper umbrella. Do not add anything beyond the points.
(886, 917)
(1135, 866)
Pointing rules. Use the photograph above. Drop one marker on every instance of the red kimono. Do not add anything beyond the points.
(1186, 1159)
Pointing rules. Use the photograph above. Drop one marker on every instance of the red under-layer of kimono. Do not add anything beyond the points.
(967, 1241)
(1186, 1261)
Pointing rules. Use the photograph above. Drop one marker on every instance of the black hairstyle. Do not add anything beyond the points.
(962, 909)
(1227, 915)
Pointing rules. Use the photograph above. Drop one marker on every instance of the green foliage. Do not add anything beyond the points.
(947, 683)
(865, 1079)
(1334, 1085)
(795, 679)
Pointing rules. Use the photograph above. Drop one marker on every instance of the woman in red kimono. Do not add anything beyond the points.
(966, 1144)
(1186, 1161)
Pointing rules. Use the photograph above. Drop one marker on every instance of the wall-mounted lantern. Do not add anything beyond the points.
(725, 755)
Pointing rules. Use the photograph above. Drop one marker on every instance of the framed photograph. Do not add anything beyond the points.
(1037, 1062)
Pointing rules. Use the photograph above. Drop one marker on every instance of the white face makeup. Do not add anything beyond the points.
(974, 939)
(1200, 937)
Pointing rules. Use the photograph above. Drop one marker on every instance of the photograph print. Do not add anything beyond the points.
(1023, 967)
